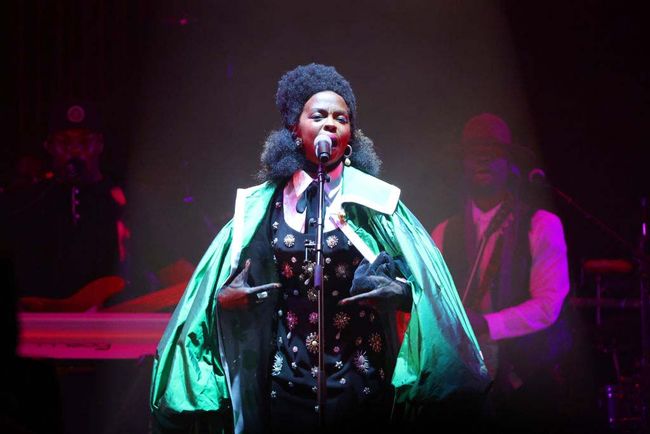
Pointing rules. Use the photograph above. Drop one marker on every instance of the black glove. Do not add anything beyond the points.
(375, 284)
(239, 295)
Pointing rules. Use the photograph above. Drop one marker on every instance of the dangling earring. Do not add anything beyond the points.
(298, 142)
(347, 154)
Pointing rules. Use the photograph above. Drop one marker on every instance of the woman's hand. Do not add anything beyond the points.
(239, 295)
(382, 292)
(375, 284)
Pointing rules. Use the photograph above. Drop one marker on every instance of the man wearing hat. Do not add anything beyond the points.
(67, 229)
(509, 262)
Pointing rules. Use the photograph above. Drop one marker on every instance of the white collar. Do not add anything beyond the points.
(301, 181)
(483, 216)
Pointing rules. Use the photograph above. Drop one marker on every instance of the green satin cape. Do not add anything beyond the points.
(439, 356)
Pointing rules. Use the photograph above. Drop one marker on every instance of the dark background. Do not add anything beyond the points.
(188, 89)
(188, 94)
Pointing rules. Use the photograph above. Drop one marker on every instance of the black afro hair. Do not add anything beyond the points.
(281, 157)
(298, 85)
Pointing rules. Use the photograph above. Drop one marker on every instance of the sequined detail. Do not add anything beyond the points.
(289, 240)
(374, 341)
(337, 349)
(294, 260)
(314, 371)
(308, 270)
(342, 380)
(341, 271)
(280, 313)
(349, 243)
(332, 241)
(328, 260)
(335, 293)
(278, 204)
(277, 364)
(290, 383)
(341, 320)
(313, 318)
(287, 271)
(294, 349)
(275, 226)
(274, 394)
(361, 362)
(274, 242)
(294, 365)
(292, 320)
(312, 343)
(358, 341)
(312, 295)
(314, 389)
(382, 374)
(366, 390)
(296, 292)
(338, 364)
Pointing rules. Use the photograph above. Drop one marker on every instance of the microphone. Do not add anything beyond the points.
(323, 147)
(537, 176)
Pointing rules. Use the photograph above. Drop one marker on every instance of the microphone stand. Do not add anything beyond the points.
(320, 290)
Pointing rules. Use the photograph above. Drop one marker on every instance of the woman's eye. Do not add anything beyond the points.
(317, 116)
(343, 119)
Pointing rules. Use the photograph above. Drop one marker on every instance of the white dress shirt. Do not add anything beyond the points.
(549, 275)
(296, 187)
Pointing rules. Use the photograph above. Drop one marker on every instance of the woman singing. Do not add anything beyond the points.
(241, 350)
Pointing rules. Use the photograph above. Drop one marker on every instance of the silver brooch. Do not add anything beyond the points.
(289, 240)
(312, 343)
(341, 271)
(278, 204)
(277, 364)
(332, 241)
(275, 225)
(361, 362)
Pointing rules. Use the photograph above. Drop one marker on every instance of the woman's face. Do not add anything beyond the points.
(324, 113)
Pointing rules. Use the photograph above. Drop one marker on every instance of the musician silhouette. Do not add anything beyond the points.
(66, 227)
